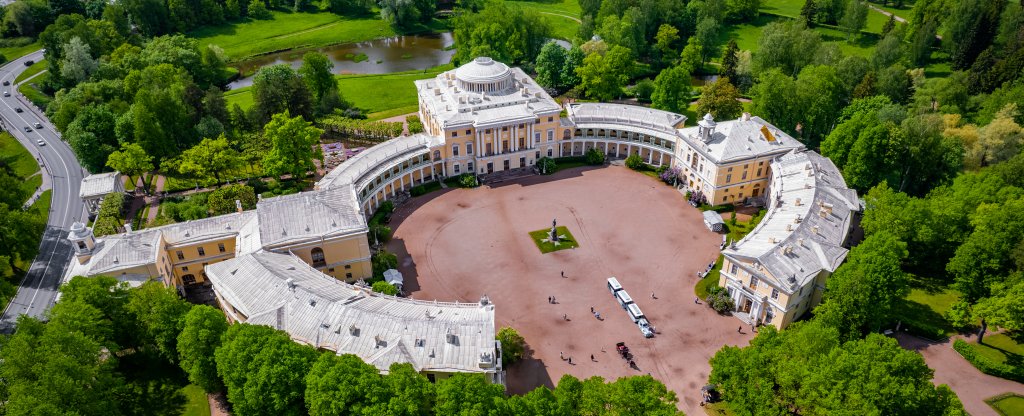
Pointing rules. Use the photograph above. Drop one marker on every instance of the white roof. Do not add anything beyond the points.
(196, 231)
(453, 106)
(712, 217)
(118, 252)
(483, 69)
(365, 166)
(616, 116)
(393, 276)
(739, 139)
(313, 215)
(808, 219)
(99, 184)
(282, 291)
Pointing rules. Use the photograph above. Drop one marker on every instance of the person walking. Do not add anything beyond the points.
(592, 357)
(696, 300)
(591, 309)
(740, 329)
(549, 299)
(563, 273)
(565, 316)
(561, 356)
(652, 296)
(570, 360)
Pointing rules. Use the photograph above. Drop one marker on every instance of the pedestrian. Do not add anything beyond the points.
(696, 300)
(592, 357)
(549, 299)
(565, 316)
(597, 315)
(561, 356)
(740, 329)
(591, 309)
(570, 360)
(563, 273)
(752, 328)
(652, 296)
(554, 299)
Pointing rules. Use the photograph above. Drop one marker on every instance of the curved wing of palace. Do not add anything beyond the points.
(290, 262)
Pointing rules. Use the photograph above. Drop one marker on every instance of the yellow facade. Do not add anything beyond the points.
(787, 306)
(188, 260)
(346, 258)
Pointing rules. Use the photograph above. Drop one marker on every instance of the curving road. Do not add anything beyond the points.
(38, 289)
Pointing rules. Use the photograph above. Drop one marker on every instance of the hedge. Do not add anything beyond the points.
(986, 365)
(108, 220)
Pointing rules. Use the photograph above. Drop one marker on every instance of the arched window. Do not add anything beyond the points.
(317, 255)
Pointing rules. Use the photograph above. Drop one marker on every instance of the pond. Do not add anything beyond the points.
(379, 56)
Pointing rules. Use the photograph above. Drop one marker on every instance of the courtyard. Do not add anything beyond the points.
(459, 244)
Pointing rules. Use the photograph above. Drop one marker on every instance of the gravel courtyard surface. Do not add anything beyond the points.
(459, 244)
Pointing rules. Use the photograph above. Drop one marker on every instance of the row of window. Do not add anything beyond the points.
(753, 281)
(201, 251)
(503, 128)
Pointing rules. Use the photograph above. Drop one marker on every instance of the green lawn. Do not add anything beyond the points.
(197, 404)
(290, 31)
(15, 52)
(17, 157)
(1009, 404)
(742, 228)
(1001, 348)
(566, 241)
(747, 35)
(32, 70)
(379, 95)
(903, 12)
(39, 98)
(562, 14)
(791, 8)
(709, 281)
(925, 306)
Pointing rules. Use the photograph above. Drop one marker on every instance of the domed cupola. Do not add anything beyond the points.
(484, 74)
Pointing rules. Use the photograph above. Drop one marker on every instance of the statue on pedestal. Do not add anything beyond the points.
(553, 237)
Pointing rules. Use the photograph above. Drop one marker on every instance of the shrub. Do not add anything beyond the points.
(594, 156)
(719, 300)
(959, 315)
(386, 208)
(467, 180)
(222, 200)
(513, 346)
(547, 165)
(109, 219)
(192, 207)
(385, 288)
(415, 125)
(643, 90)
(382, 261)
(987, 366)
(379, 233)
(668, 175)
(635, 162)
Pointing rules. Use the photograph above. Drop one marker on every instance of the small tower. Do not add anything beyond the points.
(706, 128)
(83, 241)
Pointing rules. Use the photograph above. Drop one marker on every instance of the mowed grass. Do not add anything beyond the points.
(13, 154)
(32, 70)
(791, 8)
(709, 281)
(1001, 349)
(15, 52)
(1007, 404)
(562, 14)
(748, 34)
(379, 95)
(566, 240)
(39, 98)
(196, 402)
(926, 305)
(290, 31)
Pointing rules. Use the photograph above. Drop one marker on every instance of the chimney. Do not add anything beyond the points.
(238, 205)
(746, 117)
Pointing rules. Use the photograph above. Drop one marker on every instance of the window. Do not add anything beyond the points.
(469, 167)
(81, 245)
(753, 282)
(549, 152)
(317, 255)
(488, 131)
(733, 268)
(728, 178)
(469, 148)
(775, 293)
(730, 169)
(455, 150)
(220, 247)
(181, 256)
(504, 128)
(348, 275)
(550, 119)
(551, 135)
(744, 175)
(348, 267)
(201, 251)
(437, 155)
(536, 137)
(455, 134)
(468, 132)
(456, 167)
(761, 163)
(184, 268)
(188, 279)
(758, 171)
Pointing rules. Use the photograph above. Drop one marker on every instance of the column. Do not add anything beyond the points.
(661, 160)
(403, 182)
(617, 150)
(514, 140)
(650, 156)
(495, 141)
(432, 171)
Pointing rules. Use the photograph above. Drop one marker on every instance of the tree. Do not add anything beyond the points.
(111, 298)
(293, 146)
(264, 370)
(513, 345)
(890, 24)
(707, 38)
(77, 63)
(549, 66)
(258, 10)
(411, 393)
(691, 57)
(91, 135)
(786, 45)
(345, 385)
(730, 60)
(665, 41)
(855, 18)
(807, 13)
(203, 327)
(277, 88)
(222, 200)
(209, 159)
(807, 367)
(518, 39)
(774, 98)
(465, 394)
(981, 262)
(316, 72)
(1005, 308)
(603, 76)
(132, 161)
(160, 312)
(863, 292)
(999, 140)
(385, 288)
(671, 90)
(822, 95)
(573, 60)
(635, 162)
(721, 99)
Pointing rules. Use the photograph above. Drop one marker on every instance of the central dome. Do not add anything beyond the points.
(484, 74)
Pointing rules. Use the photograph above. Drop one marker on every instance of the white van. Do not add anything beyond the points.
(634, 312)
(645, 328)
(613, 285)
(623, 298)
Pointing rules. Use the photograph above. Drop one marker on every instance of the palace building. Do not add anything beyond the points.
(291, 262)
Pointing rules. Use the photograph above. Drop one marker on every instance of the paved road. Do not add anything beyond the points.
(39, 288)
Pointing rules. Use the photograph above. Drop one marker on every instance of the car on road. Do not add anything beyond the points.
(40, 142)
(29, 62)
(7, 94)
(39, 126)
(18, 109)
(28, 129)
(7, 83)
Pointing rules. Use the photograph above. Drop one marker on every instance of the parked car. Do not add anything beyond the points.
(28, 129)
(7, 83)
(18, 109)
(40, 142)
(7, 94)
(39, 126)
